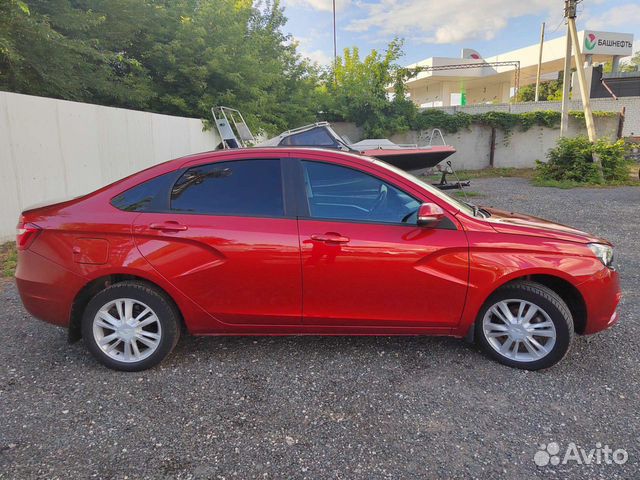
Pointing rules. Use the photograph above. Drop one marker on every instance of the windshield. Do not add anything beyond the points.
(463, 206)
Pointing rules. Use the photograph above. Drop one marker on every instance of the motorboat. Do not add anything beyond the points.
(404, 156)
(235, 133)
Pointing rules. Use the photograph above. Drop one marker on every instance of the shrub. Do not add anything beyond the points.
(572, 161)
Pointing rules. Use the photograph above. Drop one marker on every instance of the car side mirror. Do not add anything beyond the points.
(429, 215)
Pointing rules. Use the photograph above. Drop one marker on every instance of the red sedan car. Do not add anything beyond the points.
(302, 241)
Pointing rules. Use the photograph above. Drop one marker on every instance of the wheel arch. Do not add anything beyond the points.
(93, 287)
(561, 286)
(569, 294)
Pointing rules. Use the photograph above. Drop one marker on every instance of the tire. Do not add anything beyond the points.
(132, 345)
(538, 342)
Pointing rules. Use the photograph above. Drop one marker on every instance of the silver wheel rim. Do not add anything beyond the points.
(127, 330)
(519, 330)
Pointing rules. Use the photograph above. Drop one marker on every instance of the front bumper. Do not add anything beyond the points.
(602, 295)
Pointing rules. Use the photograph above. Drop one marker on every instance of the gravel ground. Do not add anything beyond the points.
(331, 407)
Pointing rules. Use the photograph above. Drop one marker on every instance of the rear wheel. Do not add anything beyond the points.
(130, 326)
(525, 325)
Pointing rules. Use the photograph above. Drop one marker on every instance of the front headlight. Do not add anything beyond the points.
(603, 252)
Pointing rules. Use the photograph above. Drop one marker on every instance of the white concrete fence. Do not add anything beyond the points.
(518, 149)
(52, 149)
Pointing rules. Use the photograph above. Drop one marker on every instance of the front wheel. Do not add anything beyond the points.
(525, 325)
(130, 326)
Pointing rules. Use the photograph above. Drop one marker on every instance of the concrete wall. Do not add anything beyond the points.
(630, 104)
(519, 149)
(51, 149)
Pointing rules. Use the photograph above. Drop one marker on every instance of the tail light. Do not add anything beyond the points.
(26, 233)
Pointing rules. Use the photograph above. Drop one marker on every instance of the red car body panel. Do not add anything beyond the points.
(239, 270)
(381, 276)
(232, 275)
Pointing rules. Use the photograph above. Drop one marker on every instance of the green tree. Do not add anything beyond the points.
(229, 52)
(634, 63)
(172, 56)
(355, 90)
(631, 66)
(46, 49)
(549, 90)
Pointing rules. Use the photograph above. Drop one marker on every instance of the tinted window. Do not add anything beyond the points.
(343, 193)
(146, 196)
(317, 136)
(243, 187)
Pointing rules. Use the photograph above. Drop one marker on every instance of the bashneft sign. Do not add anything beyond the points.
(607, 43)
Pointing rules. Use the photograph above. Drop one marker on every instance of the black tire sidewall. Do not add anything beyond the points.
(563, 325)
(162, 307)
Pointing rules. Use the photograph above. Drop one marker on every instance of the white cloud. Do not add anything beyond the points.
(307, 48)
(319, 5)
(616, 17)
(318, 56)
(450, 21)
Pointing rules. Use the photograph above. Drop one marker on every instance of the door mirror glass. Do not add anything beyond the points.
(429, 215)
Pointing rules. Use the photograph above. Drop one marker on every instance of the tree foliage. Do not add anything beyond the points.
(631, 66)
(355, 90)
(182, 57)
(549, 90)
(172, 56)
(571, 160)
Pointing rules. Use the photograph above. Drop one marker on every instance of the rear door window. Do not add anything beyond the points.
(239, 187)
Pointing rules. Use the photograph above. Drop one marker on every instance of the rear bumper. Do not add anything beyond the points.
(46, 289)
(602, 295)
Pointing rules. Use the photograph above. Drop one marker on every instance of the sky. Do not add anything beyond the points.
(433, 28)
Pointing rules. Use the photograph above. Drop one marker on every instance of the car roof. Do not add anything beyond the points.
(220, 155)
(214, 154)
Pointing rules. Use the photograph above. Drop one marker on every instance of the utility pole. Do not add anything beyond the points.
(570, 13)
(539, 63)
(335, 47)
(566, 87)
(586, 102)
(335, 43)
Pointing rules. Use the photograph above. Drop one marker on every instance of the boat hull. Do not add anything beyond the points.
(412, 158)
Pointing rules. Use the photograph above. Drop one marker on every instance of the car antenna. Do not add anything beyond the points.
(464, 194)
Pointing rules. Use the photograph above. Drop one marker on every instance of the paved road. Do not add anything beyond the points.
(331, 407)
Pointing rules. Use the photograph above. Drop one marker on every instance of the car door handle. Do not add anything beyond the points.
(329, 238)
(168, 226)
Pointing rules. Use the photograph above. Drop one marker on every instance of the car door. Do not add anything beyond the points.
(365, 262)
(227, 240)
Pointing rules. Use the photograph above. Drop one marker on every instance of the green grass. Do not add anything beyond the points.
(566, 184)
(485, 173)
(496, 172)
(8, 259)
(528, 173)
(467, 193)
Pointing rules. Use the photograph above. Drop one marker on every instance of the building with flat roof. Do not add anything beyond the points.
(472, 79)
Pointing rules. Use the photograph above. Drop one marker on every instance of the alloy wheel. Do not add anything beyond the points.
(519, 330)
(127, 330)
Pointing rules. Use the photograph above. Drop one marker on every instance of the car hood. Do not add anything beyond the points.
(521, 224)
